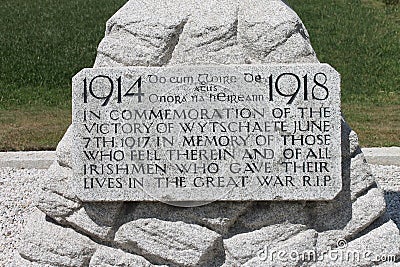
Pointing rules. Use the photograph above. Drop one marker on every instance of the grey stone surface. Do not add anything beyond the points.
(17, 191)
(46, 243)
(55, 197)
(63, 151)
(217, 216)
(255, 145)
(284, 251)
(354, 143)
(270, 213)
(174, 243)
(367, 250)
(110, 257)
(243, 247)
(221, 32)
(99, 220)
(388, 177)
(56, 206)
(18, 261)
(58, 180)
(383, 155)
(366, 209)
(361, 177)
(159, 36)
(27, 160)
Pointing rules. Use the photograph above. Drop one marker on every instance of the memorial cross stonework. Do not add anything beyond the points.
(208, 134)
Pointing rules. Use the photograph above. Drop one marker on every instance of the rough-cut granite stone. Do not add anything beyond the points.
(270, 213)
(111, 257)
(383, 241)
(47, 243)
(367, 250)
(272, 33)
(360, 176)
(207, 32)
(63, 151)
(175, 243)
(365, 211)
(243, 247)
(56, 198)
(97, 219)
(160, 33)
(218, 216)
(304, 241)
(18, 261)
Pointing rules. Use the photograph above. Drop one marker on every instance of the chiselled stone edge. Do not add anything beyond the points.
(382, 155)
(27, 159)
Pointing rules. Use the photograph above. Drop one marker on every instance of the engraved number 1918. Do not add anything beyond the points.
(319, 90)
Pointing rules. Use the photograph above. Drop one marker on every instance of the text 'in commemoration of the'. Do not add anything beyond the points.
(206, 133)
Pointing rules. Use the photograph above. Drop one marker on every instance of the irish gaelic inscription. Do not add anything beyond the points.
(206, 133)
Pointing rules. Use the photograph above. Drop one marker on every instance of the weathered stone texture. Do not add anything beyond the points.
(47, 243)
(211, 32)
(56, 197)
(243, 247)
(110, 257)
(369, 249)
(175, 243)
(97, 219)
(304, 241)
(63, 151)
(361, 178)
(217, 216)
(160, 33)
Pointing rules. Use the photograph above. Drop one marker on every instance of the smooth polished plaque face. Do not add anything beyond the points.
(207, 133)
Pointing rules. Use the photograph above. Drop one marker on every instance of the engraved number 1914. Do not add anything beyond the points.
(106, 91)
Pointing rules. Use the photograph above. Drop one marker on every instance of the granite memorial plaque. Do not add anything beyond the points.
(206, 133)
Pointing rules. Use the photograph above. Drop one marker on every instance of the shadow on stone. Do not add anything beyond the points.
(392, 200)
(102, 213)
(334, 215)
(231, 218)
(321, 216)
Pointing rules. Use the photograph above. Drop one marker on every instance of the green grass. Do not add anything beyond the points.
(44, 43)
(360, 39)
(32, 129)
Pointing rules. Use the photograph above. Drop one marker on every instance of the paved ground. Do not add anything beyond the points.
(17, 201)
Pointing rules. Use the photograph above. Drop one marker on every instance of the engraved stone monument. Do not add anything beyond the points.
(208, 134)
(245, 132)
